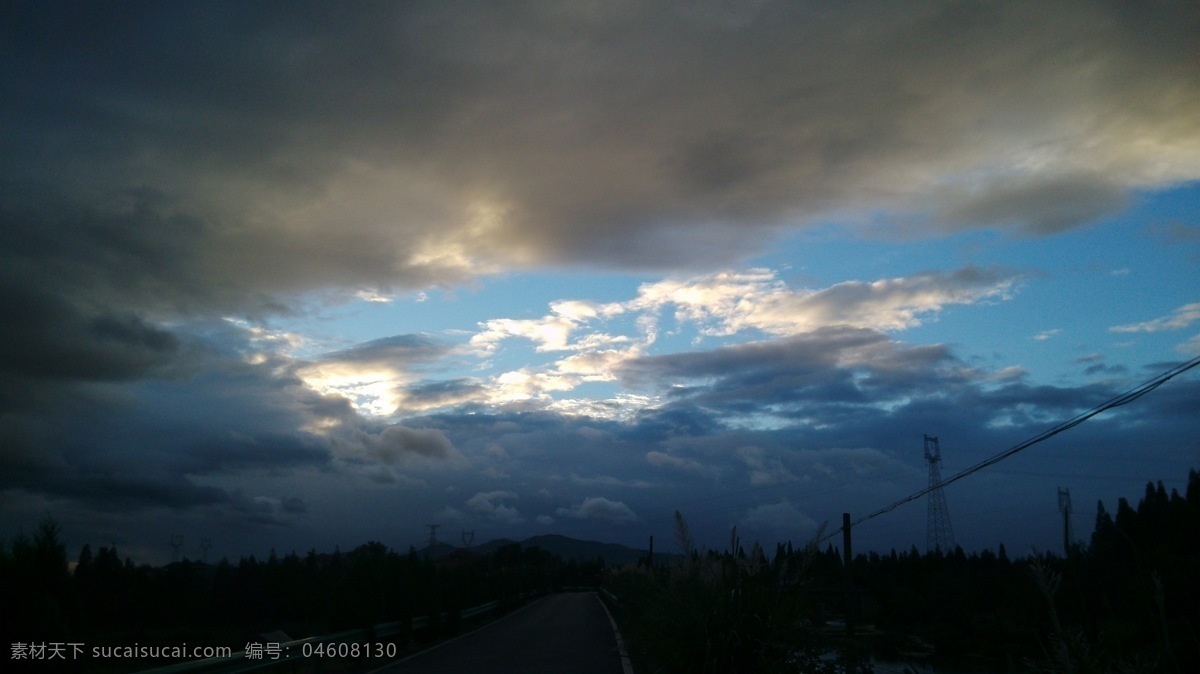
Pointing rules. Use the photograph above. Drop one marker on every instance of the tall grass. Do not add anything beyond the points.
(724, 612)
(1070, 650)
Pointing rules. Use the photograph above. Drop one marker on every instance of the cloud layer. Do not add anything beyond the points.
(181, 179)
(196, 156)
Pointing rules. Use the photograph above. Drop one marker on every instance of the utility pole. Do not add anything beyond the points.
(176, 544)
(468, 537)
(848, 575)
(938, 534)
(205, 544)
(1064, 507)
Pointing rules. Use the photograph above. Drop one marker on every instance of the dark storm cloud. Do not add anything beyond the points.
(443, 392)
(46, 337)
(225, 153)
(154, 441)
(394, 443)
(828, 454)
(831, 365)
(132, 247)
(672, 421)
(1038, 205)
(1095, 365)
(852, 387)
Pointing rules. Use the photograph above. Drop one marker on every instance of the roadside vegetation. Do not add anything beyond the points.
(1126, 601)
(730, 611)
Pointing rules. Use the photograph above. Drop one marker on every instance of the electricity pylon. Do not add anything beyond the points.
(938, 534)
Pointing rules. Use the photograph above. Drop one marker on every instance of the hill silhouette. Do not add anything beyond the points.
(569, 549)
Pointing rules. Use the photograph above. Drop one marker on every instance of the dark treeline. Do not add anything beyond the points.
(107, 600)
(1127, 601)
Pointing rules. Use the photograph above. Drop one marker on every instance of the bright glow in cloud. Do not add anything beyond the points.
(368, 295)
(372, 390)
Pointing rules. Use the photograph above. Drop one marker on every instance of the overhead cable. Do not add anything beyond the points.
(1122, 399)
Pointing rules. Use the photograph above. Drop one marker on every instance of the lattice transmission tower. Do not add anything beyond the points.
(938, 534)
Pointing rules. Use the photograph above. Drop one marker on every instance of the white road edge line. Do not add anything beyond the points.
(626, 664)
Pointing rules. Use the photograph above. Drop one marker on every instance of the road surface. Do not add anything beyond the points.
(559, 633)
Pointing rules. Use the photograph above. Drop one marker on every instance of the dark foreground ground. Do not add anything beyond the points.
(558, 633)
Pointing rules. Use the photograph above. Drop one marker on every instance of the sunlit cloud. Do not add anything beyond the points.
(551, 332)
(623, 407)
(367, 295)
(728, 303)
(373, 375)
(1179, 319)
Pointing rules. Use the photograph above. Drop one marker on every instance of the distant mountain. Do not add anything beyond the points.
(568, 548)
(565, 547)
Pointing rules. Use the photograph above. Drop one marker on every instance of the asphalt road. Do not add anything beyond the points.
(559, 633)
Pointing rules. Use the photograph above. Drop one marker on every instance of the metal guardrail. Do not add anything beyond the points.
(292, 651)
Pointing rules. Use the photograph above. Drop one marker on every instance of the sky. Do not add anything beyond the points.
(296, 276)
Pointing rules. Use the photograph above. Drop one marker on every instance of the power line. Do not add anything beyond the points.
(1122, 399)
(749, 497)
(1069, 476)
